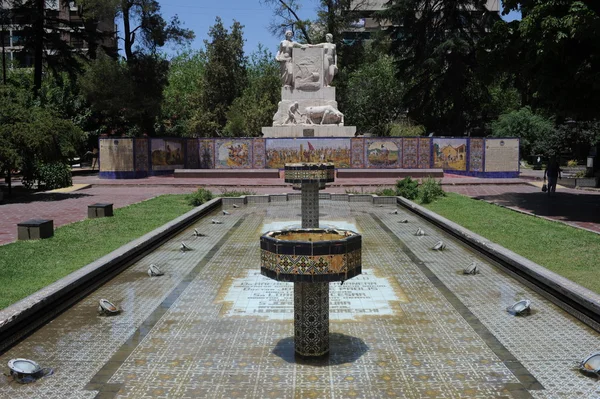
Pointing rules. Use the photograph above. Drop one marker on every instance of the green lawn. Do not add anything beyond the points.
(568, 251)
(27, 266)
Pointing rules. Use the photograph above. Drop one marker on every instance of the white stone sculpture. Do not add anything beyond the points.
(330, 68)
(294, 116)
(284, 56)
(325, 114)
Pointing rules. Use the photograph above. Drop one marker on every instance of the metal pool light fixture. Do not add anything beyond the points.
(522, 307)
(420, 232)
(591, 364)
(107, 308)
(24, 370)
(473, 268)
(154, 271)
(439, 246)
(184, 247)
(198, 234)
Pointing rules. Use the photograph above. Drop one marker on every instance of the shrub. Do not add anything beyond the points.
(430, 190)
(49, 176)
(386, 192)
(407, 188)
(572, 163)
(55, 175)
(199, 197)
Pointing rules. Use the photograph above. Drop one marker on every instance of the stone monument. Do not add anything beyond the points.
(308, 107)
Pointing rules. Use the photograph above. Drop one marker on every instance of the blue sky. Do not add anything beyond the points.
(200, 16)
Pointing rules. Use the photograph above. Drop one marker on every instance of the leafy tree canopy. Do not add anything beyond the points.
(436, 45)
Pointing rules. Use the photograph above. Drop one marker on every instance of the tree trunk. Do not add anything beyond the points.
(38, 49)
(125, 7)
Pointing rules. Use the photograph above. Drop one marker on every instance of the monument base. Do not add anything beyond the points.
(309, 131)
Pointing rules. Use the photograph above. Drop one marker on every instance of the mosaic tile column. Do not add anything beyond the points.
(311, 300)
(311, 319)
(310, 205)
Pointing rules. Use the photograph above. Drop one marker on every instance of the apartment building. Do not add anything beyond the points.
(67, 12)
(365, 23)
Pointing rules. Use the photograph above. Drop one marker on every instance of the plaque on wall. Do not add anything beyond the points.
(502, 155)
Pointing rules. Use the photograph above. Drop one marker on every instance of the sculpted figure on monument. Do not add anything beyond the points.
(325, 115)
(284, 56)
(294, 115)
(329, 59)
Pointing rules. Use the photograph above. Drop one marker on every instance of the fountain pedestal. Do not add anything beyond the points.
(311, 258)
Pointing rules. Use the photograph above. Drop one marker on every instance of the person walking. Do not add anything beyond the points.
(553, 172)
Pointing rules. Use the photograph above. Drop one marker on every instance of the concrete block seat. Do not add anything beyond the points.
(395, 173)
(228, 173)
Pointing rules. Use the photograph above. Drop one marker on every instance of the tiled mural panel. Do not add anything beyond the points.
(358, 152)
(259, 152)
(410, 153)
(233, 153)
(141, 155)
(167, 154)
(206, 154)
(424, 153)
(383, 153)
(450, 154)
(282, 151)
(476, 155)
(192, 155)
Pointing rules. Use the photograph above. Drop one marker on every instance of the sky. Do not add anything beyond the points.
(199, 16)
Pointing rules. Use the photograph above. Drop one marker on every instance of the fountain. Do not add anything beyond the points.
(311, 258)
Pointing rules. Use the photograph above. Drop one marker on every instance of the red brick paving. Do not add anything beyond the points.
(575, 207)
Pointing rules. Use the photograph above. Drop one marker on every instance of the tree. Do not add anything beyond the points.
(144, 28)
(225, 72)
(258, 103)
(377, 95)
(554, 53)
(286, 17)
(107, 87)
(436, 45)
(531, 128)
(183, 96)
(43, 37)
(33, 138)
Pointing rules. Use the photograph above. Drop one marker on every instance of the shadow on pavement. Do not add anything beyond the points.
(342, 349)
(20, 198)
(564, 206)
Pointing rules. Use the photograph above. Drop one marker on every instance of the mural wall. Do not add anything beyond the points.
(127, 157)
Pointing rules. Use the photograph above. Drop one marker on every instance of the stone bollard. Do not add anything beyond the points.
(100, 210)
(35, 229)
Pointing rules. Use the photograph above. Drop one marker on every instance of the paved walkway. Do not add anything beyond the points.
(575, 207)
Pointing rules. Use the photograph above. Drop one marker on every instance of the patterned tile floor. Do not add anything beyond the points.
(412, 326)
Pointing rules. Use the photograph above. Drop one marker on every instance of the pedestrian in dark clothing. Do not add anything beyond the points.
(553, 172)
